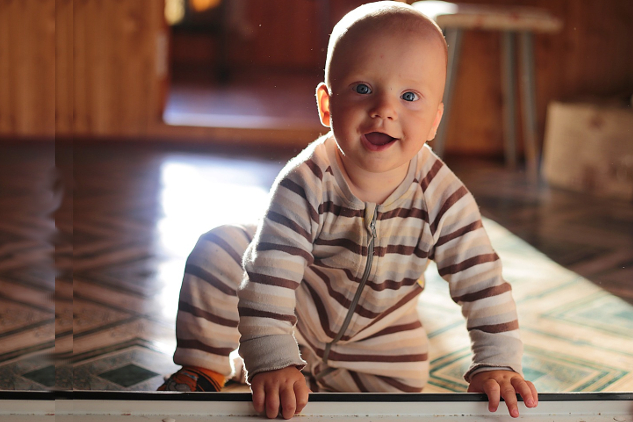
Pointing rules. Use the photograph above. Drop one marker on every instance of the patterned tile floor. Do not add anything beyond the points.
(577, 336)
(88, 284)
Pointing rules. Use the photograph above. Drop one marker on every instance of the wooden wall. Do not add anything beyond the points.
(27, 68)
(286, 35)
(64, 67)
(81, 67)
(118, 75)
(97, 67)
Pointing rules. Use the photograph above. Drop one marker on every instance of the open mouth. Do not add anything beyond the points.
(379, 139)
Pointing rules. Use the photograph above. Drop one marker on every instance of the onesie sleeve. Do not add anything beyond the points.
(465, 258)
(274, 266)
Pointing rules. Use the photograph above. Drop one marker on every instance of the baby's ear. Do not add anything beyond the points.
(436, 122)
(323, 103)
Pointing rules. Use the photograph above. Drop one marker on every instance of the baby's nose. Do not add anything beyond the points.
(384, 108)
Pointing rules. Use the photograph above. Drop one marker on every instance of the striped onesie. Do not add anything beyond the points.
(330, 284)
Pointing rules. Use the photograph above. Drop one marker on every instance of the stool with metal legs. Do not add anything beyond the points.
(454, 18)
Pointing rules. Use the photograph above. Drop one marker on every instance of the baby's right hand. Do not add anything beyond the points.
(282, 390)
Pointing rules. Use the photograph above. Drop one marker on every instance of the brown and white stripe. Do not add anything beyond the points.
(307, 261)
(206, 324)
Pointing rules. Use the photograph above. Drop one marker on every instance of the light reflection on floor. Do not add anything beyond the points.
(198, 194)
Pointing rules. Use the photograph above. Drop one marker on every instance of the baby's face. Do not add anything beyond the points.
(386, 94)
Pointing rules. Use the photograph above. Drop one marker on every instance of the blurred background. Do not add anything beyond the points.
(141, 69)
(130, 127)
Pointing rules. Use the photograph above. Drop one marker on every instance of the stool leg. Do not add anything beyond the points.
(508, 79)
(529, 103)
(454, 40)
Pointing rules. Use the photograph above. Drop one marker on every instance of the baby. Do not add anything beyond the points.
(325, 288)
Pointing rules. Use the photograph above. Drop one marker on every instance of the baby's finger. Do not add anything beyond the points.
(534, 392)
(491, 388)
(288, 402)
(510, 397)
(272, 403)
(527, 391)
(258, 397)
(302, 393)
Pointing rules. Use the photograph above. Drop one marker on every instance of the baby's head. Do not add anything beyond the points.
(384, 81)
(399, 18)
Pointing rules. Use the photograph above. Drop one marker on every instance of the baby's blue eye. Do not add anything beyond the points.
(409, 96)
(362, 89)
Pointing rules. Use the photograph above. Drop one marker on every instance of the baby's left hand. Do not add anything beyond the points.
(504, 384)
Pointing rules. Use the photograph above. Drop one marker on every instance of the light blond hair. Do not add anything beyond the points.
(380, 15)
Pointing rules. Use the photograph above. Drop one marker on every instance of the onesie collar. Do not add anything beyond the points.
(346, 192)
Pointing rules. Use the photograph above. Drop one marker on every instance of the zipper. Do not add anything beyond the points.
(359, 290)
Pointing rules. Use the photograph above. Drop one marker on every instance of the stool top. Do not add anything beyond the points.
(488, 17)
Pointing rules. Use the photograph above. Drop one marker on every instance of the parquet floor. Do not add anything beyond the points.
(93, 240)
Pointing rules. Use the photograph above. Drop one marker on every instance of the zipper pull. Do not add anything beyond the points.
(372, 224)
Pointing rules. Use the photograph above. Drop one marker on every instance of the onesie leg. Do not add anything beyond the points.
(206, 325)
